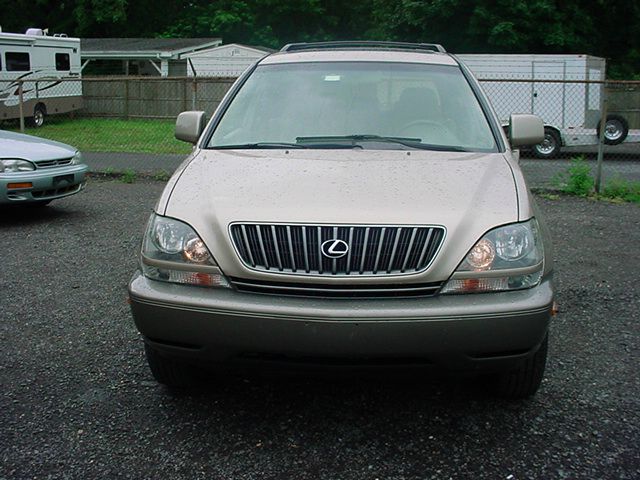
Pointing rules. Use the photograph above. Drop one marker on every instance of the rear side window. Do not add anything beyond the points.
(63, 62)
(17, 62)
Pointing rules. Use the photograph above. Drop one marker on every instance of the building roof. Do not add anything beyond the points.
(122, 48)
(208, 51)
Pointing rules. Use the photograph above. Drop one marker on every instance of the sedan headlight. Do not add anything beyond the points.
(173, 252)
(506, 258)
(77, 158)
(14, 165)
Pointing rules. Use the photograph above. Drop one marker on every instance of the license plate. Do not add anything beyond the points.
(62, 180)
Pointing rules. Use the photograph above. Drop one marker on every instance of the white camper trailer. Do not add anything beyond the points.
(542, 85)
(40, 62)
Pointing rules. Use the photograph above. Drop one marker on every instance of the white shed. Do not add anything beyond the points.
(223, 61)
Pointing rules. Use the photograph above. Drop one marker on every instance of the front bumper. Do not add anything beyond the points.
(47, 184)
(460, 332)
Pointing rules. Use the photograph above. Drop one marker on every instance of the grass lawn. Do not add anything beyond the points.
(112, 135)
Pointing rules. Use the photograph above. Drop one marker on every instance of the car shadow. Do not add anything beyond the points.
(30, 214)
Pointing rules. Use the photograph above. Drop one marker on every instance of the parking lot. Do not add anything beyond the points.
(77, 399)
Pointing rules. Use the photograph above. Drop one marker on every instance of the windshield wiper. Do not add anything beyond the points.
(281, 145)
(258, 145)
(406, 141)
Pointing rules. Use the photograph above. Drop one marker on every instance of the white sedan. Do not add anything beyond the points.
(36, 171)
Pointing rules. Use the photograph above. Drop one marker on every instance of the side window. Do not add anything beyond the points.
(17, 62)
(63, 62)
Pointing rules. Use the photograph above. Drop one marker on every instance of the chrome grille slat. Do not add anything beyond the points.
(276, 246)
(264, 253)
(424, 249)
(293, 260)
(364, 249)
(380, 243)
(373, 250)
(395, 249)
(349, 252)
(247, 246)
(304, 245)
(408, 254)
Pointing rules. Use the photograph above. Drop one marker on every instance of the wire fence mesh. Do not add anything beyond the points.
(137, 114)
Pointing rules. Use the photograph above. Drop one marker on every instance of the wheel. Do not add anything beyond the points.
(615, 130)
(168, 371)
(524, 381)
(39, 113)
(550, 146)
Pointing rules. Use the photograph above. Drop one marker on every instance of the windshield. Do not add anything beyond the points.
(355, 104)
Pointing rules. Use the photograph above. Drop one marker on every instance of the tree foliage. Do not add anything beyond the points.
(608, 28)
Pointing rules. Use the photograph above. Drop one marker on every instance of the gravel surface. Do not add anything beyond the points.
(77, 399)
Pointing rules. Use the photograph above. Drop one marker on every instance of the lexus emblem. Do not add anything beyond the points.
(334, 248)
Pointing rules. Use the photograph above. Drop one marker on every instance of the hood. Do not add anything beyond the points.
(17, 145)
(467, 193)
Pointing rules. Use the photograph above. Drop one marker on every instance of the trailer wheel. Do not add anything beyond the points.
(550, 146)
(615, 130)
(39, 112)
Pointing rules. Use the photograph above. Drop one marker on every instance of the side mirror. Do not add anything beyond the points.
(189, 126)
(525, 130)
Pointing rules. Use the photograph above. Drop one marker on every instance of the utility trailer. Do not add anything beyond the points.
(555, 87)
(41, 63)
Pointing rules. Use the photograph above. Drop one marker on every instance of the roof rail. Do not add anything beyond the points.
(365, 44)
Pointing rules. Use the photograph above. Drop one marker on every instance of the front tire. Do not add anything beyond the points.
(169, 371)
(524, 381)
(550, 146)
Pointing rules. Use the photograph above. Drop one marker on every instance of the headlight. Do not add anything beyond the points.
(506, 258)
(77, 158)
(11, 165)
(173, 252)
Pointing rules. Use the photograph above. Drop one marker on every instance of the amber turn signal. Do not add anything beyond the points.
(20, 185)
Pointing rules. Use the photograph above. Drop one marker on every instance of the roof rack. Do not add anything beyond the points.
(365, 44)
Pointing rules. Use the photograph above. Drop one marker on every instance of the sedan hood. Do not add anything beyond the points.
(27, 147)
(467, 193)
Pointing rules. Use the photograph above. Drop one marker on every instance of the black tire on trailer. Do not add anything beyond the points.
(550, 146)
(169, 371)
(524, 381)
(39, 113)
(615, 130)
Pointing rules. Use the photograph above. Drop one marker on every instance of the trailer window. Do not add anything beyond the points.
(17, 62)
(62, 61)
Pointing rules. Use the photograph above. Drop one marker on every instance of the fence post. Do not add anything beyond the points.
(21, 105)
(603, 124)
(126, 99)
(185, 93)
(194, 95)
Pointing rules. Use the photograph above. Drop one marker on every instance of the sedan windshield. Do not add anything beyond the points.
(355, 105)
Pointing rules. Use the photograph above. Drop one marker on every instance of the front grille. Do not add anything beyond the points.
(53, 163)
(373, 250)
(336, 290)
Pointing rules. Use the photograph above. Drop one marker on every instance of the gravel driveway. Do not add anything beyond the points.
(77, 400)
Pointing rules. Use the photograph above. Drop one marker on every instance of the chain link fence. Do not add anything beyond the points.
(572, 112)
(137, 114)
(109, 114)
